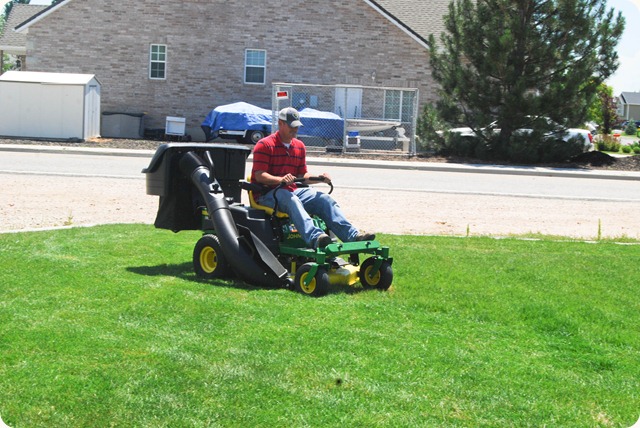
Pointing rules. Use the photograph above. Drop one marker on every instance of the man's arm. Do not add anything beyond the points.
(263, 177)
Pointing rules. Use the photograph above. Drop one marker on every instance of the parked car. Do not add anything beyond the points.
(581, 134)
(624, 124)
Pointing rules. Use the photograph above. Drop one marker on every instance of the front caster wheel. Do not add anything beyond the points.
(208, 260)
(381, 279)
(317, 286)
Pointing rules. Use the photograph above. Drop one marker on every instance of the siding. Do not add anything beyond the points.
(318, 43)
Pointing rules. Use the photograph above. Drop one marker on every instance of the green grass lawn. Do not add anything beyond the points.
(108, 326)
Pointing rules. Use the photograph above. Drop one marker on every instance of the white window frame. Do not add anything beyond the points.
(158, 60)
(401, 104)
(248, 66)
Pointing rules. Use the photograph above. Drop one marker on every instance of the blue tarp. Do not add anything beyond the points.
(238, 117)
(243, 116)
(322, 124)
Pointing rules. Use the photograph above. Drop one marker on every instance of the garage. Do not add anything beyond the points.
(62, 106)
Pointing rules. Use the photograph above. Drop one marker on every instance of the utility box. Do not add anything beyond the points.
(49, 105)
(122, 125)
(175, 126)
(353, 141)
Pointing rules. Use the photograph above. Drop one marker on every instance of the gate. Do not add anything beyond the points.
(354, 119)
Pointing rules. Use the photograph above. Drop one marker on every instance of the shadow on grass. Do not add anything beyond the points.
(185, 272)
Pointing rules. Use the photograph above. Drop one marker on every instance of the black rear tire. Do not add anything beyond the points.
(208, 260)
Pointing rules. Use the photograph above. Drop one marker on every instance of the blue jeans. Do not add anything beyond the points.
(300, 204)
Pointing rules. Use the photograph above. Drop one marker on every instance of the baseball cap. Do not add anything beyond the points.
(291, 116)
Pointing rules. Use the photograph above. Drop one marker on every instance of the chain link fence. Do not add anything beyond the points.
(354, 119)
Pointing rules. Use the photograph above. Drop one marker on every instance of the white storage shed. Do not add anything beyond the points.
(49, 105)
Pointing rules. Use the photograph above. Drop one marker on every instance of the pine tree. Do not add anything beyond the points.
(508, 61)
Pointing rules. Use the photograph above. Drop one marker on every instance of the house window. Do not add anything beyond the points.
(158, 62)
(398, 105)
(255, 66)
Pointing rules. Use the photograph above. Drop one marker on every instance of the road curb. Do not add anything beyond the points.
(363, 163)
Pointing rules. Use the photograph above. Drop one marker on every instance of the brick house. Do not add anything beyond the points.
(13, 43)
(629, 105)
(185, 57)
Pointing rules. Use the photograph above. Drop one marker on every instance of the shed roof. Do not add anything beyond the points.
(11, 41)
(47, 78)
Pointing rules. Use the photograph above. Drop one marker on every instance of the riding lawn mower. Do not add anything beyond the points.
(200, 188)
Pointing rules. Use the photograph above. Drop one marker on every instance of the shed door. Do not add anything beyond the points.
(92, 114)
(348, 103)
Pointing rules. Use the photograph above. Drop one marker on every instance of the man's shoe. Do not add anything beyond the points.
(363, 236)
(323, 240)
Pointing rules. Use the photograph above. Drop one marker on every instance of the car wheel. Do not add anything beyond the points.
(252, 137)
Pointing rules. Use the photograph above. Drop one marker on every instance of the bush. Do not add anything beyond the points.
(458, 145)
(429, 123)
(626, 149)
(631, 128)
(636, 150)
(523, 149)
(560, 150)
(608, 144)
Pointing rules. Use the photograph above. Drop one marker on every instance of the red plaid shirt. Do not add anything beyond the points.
(272, 156)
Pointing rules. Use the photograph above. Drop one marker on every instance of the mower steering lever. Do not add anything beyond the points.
(322, 180)
(300, 181)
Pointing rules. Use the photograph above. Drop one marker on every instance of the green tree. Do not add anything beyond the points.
(512, 61)
(603, 110)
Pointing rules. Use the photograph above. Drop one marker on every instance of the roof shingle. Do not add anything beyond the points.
(631, 97)
(10, 41)
(423, 17)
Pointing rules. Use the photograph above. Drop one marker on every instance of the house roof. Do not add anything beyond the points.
(47, 78)
(421, 17)
(11, 41)
(630, 98)
(417, 18)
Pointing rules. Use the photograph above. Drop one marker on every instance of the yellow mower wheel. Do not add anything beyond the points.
(381, 279)
(316, 286)
(208, 260)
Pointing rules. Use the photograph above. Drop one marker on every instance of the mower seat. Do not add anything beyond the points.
(268, 210)
(254, 204)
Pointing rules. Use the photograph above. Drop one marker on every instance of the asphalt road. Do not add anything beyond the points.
(426, 199)
(444, 180)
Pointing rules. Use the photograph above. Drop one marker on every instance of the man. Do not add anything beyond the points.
(280, 158)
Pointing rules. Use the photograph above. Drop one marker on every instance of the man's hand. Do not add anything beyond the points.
(267, 179)
(288, 179)
(322, 178)
(325, 177)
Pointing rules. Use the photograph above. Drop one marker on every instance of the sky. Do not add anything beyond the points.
(626, 79)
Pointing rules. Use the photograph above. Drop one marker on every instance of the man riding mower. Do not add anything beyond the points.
(200, 187)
